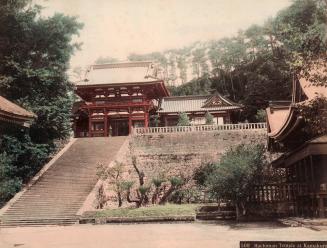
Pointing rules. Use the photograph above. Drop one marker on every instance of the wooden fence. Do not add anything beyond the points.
(200, 128)
(278, 192)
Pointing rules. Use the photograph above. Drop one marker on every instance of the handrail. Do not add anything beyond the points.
(200, 128)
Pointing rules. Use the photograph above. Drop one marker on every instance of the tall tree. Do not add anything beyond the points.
(34, 58)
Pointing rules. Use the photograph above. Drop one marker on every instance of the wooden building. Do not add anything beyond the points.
(223, 110)
(11, 113)
(116, 97)
(304, 160)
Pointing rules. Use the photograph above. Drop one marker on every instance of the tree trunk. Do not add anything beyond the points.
(137, 202)
(120, 200)
(139, 173)
(237, 209)
(166, 195)
(155, 196)
(232, 83)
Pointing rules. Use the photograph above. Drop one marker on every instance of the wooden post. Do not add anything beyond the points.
(312, 183)
(321, 207)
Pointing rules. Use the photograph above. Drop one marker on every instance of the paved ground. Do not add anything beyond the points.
(152, 235)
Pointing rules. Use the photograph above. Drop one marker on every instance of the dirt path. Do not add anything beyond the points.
(152, 235)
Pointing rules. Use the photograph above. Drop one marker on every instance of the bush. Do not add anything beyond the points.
(209, 119)
(183, 120)
(234, 177)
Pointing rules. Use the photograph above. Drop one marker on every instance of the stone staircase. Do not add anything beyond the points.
(59, 193)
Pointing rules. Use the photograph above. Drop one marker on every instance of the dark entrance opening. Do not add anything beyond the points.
(82, 125)
(119, 127)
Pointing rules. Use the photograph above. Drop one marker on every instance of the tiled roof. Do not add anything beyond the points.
(195, 104)
(12, 113)
(280, 118)
(11, 109)
(118, 73)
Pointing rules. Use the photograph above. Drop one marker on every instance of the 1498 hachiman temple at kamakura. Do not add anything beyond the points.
(117, 97)
(304, 188)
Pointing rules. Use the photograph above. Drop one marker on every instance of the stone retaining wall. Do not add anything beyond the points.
(181, 153)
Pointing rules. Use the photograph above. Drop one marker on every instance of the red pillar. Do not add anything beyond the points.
(90, 123)
(146, 120)
(130, 122)
(105, 123)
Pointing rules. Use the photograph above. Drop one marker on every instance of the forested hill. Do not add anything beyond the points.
(254, 66)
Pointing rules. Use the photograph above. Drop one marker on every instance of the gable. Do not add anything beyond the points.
(215, 101)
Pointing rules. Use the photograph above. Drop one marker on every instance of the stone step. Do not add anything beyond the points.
(60, 192)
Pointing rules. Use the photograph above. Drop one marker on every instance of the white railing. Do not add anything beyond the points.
(201, 128)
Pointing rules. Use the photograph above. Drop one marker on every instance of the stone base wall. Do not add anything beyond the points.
(182, 153)
(175, 154)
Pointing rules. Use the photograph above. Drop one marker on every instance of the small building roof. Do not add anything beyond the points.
(11, 112)
(121, 73)
(282, 119)
(205, 103)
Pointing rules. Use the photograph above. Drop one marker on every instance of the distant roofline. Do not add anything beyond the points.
(121, 65)
(185, 97)
(117, 84)
(190, 97)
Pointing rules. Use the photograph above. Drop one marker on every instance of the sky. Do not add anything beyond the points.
(117, 28)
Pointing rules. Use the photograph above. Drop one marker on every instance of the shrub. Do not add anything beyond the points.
(209, 119)
(234, 177)
(183, 120)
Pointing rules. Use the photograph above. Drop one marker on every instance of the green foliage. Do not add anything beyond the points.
(156, 120)
(200, 86)
(158, 182)
(201, 174)
(234, 177)
(168, 210)
(9, 183)
(314, 113)
(187, 195)
(26, 157)
(183, 120)
(144, 190)
(176, 181)
(34, 58)
(257, 65)
(261, 115)
(209, 119)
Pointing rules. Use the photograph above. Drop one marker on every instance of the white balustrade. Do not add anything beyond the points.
(201, 128)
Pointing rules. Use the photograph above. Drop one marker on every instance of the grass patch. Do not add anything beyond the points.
(151, 211)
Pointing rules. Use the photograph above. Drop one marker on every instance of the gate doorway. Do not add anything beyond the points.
(119, 127)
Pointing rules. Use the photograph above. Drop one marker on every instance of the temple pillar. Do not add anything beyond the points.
(165, 121)
(90, 123)
(130, 124)
(105, 123)
(146, 120)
